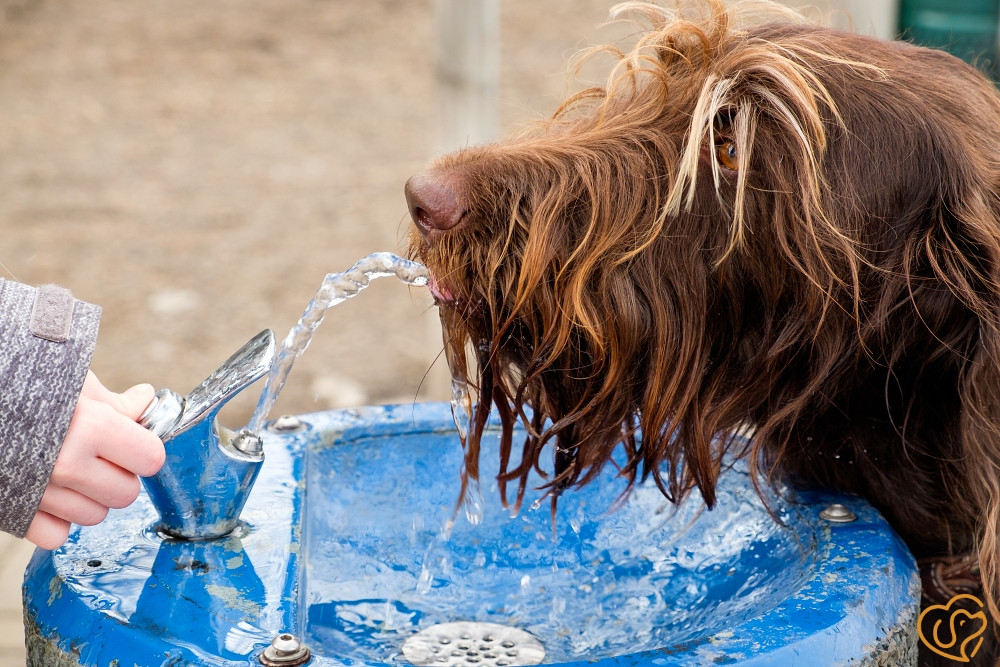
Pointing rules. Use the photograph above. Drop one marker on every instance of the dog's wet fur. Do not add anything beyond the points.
(773, 224)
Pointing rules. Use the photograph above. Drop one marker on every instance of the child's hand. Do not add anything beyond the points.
(104, 451)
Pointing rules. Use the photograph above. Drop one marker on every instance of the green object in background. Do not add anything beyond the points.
(964, 28)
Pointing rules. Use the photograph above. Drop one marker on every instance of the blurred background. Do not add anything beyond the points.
(197, 169)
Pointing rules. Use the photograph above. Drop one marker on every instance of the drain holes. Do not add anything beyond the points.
(473, 645)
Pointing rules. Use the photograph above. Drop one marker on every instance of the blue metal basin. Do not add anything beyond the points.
(344, 543)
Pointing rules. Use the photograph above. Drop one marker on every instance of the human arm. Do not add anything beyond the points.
(46, 342)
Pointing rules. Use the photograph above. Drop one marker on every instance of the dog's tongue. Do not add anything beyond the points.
(439, 291)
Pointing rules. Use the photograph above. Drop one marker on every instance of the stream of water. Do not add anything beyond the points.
(461, 413)
(336, 288)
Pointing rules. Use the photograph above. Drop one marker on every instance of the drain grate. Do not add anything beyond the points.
(473, 644)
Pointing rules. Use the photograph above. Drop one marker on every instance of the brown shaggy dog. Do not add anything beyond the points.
(779, 225)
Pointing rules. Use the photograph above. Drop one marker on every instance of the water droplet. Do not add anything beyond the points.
(461, 406)
(473, 502)
(424, 583)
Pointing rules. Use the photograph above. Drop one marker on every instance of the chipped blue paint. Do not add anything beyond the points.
(342, 543)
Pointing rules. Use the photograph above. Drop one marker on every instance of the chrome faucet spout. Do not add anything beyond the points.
(209, 470)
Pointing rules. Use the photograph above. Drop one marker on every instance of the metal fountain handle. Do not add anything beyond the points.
(209, 469)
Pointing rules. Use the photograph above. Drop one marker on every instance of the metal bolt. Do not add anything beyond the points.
(285, 651)
(837, 513)
(248, 444)
(286, 424)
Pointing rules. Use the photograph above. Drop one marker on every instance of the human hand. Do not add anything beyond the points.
(104, 451)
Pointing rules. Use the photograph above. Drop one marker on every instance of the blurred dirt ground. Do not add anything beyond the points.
(197, 168)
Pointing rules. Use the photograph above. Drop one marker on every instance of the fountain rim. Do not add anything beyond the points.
(865, 572)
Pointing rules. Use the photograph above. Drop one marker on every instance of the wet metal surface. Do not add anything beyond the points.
(468, 644)
(346, 543)
(209, 470)
(120, 591)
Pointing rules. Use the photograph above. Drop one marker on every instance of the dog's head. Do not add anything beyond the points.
(740, 224)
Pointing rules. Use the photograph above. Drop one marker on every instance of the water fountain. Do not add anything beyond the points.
(348, 551)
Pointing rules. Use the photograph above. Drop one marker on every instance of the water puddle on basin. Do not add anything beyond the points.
(389, 564)
(335, 289)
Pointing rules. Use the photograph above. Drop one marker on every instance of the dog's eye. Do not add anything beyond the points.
(728, 154)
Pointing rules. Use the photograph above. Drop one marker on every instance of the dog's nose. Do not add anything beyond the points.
(434, 206)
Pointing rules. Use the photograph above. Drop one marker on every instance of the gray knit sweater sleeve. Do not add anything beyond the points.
(46, 341)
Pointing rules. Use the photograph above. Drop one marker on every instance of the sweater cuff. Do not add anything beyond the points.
(47, 339)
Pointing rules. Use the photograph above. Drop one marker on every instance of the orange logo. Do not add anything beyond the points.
(953, 633)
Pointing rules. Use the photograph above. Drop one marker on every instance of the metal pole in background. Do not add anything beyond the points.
(468, 72)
